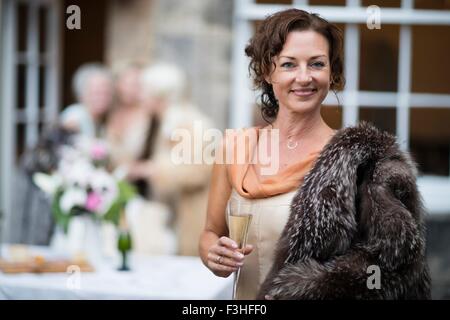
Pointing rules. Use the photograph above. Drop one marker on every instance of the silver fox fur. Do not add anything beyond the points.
(358, 206)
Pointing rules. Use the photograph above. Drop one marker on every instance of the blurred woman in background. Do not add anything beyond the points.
(93, 88)
(130, 131)
(183, 186)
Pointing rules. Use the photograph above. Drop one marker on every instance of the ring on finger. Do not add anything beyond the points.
(219, 259)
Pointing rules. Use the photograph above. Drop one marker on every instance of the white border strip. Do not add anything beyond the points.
(351, 65)
(7, 111)
(53, 64)
(345, 14)
(32, 76)
(241, 100)
(404, 81)
(389, 99)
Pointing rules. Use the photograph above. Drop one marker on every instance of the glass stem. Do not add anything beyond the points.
(124, 259)
(235, 282)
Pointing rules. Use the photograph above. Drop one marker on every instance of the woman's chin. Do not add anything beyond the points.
(305, 106)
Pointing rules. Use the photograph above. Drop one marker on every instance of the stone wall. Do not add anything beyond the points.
(196, 35)
(129, 35)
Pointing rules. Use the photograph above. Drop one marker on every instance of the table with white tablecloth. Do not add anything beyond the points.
(151, 277)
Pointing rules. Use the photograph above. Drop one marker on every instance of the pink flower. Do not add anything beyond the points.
(93, 201)
(98, 152)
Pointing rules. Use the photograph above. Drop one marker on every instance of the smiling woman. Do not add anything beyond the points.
(340, 203)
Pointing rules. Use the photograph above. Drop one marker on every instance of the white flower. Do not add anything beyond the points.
(104, 185)
(47, 183)
(72, 197)
(77, 173)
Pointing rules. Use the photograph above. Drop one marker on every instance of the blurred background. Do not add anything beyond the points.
(397, 78)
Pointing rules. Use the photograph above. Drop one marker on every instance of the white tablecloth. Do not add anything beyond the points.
(151, 277)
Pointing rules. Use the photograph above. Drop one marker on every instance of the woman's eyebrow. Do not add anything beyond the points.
(313, 57)
(287, 57)
(319, 56)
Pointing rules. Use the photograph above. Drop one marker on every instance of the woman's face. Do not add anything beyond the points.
(301, 78)
(128, 86)
(98, 95)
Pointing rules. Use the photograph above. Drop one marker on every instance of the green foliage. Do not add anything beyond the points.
(62, 218)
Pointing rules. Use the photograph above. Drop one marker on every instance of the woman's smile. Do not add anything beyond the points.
(303, 92)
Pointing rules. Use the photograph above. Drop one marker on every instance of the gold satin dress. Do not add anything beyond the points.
(271, 198)
(270, 215)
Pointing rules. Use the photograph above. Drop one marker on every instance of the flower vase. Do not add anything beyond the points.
(83, 239)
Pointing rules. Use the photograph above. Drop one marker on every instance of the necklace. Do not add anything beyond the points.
(290, 144)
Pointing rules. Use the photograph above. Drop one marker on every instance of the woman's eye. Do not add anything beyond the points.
(318, 64)
(287, 65)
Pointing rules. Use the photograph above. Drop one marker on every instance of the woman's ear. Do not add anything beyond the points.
(268, 77)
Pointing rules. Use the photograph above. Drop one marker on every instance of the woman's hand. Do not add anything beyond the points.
(224, 257)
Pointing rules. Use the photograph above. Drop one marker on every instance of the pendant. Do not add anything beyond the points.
(291, 145)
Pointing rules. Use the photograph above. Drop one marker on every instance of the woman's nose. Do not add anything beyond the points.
(303, 76)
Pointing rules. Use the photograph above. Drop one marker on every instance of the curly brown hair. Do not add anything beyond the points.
(268, 42)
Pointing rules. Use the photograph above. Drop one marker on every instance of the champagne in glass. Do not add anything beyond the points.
(239, 225)
(239, 219)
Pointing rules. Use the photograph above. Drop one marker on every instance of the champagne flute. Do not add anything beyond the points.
(239, 219)
(124, 245)
(124, 242)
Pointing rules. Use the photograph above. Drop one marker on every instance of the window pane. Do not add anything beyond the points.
(382, 118)
(332, 115)
(43, 16)
(430, 59)
(310, 2)
(327, 2)
(21, 83)
(41, 87)
(20, 140)
(381, 3)
(379, 58)
(434, 4)
(274, 1)
(430, 139)
(41, 128)
(22, 18)
(258, 120)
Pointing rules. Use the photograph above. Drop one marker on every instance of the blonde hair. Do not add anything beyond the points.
(84, 73)
(164, 80)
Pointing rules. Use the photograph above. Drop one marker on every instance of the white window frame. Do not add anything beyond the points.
(32, 59)
(435, 190)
